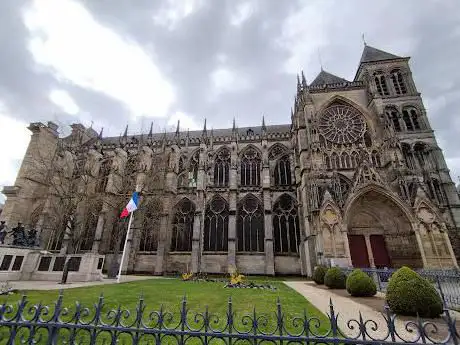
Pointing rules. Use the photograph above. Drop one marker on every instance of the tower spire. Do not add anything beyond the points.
(205, 132)
(177, 128)
(100, 133)
(151, 130)
(304, 81)
(298, 84)
(125, 134)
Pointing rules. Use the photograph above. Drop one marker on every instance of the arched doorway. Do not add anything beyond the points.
(380, 233)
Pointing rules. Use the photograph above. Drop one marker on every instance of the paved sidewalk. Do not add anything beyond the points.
(348, 309)
(51, 285)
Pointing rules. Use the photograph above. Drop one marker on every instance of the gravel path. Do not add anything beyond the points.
(348, 309)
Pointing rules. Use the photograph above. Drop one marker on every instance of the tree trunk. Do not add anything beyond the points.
(65, 271)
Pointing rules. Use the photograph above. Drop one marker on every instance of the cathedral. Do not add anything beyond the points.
(355, 179)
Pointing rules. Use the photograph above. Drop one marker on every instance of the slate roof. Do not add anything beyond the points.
(225, 132)
(327, 78)
(371, 54)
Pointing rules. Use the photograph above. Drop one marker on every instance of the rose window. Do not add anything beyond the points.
(342, 124)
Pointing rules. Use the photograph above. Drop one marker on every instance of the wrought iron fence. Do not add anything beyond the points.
(23, 323)
(446, 282)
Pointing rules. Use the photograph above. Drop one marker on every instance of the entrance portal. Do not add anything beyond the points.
(380, 234)
(358, 251)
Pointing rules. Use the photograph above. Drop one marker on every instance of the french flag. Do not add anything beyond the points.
(131, 207)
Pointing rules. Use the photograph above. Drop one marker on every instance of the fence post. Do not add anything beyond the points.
(440, 291)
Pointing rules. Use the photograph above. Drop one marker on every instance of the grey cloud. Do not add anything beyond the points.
(188, 54)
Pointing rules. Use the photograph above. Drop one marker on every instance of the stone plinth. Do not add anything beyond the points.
(17, 263)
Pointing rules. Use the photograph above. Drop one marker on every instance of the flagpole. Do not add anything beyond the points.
(124, 247)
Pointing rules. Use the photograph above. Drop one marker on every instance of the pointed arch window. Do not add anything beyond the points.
(150, 226)
(423, 156)
(381, 84)
(216, 226)
(354, 159)
(286, 226)
(335, 161)
(376, 159)
(183, 226)
(282, 173)
(398, 82)
(408, 156)
(86, 239)
(393, 118)
(222, 168)
(435, 191)
(188, 177)
(411, 119)
(250, 225)
(250, 168)
(328, 161)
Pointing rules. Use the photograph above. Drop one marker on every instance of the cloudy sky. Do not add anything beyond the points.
(118, 62)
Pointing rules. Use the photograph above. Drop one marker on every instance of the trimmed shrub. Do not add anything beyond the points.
(318, 274)
(410, 294)
(359, 284)
(334, 278)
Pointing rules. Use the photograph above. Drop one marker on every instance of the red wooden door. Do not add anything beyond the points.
(358, 251)
(379, 251)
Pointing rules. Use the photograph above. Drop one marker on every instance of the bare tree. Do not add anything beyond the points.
(150, 186)
(66, 197)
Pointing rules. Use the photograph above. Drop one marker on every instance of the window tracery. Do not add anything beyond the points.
(250, 168)
(375, 156)
(339, 189)
(435, 191)
(381, 84)
(150, 226)
(250, 225)
(393, 118)
(408, 156)
(398, 82)
(282, 172)
(286, 226)
(222, 168)
(188, 177)
(86, 239)
(183, 226)
(342, 124)
(216, 225)
(411, 119)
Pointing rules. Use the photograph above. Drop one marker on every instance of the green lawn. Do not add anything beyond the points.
(169, 293)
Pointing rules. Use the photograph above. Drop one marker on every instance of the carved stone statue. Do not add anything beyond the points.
(19, 236)
(3, 232)
(32, 237)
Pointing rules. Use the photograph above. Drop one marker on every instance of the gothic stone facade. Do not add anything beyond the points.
(356, 178)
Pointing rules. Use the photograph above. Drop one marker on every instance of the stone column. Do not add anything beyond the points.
(195, 259)
(451, 250)
(269, 250)
(347, 248)
(163, 245)
(232, 221)
(420, 246)
(369, 250)
(231, 256)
